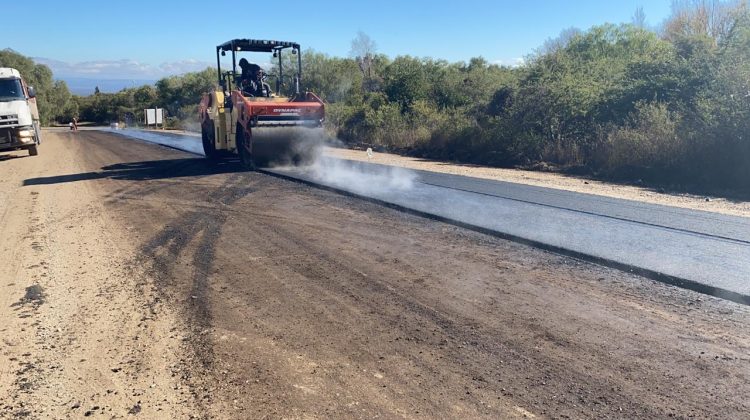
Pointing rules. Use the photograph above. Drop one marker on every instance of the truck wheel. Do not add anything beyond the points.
(208, 136)
(244, 146)
(37, 134)
(33, 151)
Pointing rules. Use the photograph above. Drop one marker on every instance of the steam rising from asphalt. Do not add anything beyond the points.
(360, 179)
(363, 179)
(302, 149)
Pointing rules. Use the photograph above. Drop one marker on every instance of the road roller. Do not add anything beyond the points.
(244, 116)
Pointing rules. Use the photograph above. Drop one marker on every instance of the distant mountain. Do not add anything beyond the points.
(84, 87)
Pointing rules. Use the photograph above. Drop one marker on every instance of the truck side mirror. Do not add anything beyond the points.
(32, 92)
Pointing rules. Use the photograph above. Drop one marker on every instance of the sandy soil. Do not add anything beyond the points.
(555, 180)
(143, 277)
(82, 332)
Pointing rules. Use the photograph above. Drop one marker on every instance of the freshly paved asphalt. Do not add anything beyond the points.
(698, 222)
(703, 251)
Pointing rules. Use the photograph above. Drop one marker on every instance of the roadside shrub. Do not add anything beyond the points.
(647, 143)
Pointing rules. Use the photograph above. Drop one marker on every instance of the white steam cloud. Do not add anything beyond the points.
(355, 177)
(309, 146)
(359, 179)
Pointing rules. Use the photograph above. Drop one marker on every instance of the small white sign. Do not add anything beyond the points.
(154, 116)
(150, 116)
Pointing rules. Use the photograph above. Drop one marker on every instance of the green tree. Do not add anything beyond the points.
(333, 79)
(176, 92)
(406, 81)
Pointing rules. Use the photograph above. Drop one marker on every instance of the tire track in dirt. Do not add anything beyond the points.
(191, 236)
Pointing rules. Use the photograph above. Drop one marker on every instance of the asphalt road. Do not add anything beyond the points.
(218, 293)
(704, 223)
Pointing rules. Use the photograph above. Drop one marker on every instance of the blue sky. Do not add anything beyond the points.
(149, 39)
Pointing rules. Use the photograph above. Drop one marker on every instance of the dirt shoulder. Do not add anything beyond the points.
(553, 180)
(82, 332)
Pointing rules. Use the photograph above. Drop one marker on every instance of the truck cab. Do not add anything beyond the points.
(19, 116)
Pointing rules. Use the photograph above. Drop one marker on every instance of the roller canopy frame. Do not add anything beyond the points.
(257, 45)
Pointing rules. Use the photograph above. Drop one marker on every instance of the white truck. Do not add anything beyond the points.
(19, 116)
